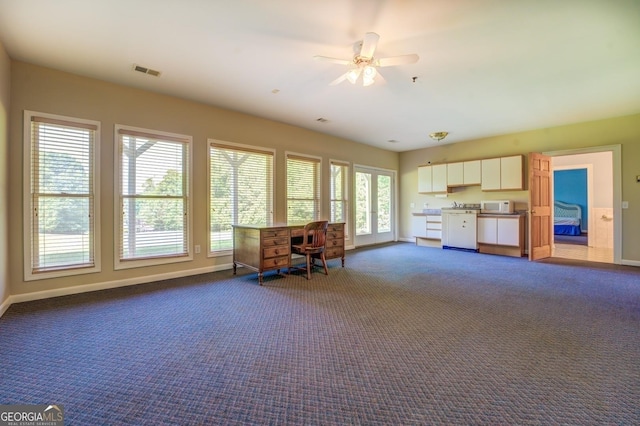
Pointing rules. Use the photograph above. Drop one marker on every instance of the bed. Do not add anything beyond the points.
(566, 219)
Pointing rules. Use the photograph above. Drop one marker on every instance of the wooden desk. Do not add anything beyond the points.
(267, 248)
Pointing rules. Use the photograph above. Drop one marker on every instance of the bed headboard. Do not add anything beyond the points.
(562, 209)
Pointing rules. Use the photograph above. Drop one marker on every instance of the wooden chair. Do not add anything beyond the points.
(312, 247)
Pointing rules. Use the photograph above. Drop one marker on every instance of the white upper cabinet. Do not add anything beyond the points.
(455, 174)
(424, 179)
(432, 178)
(472, 172)
(464, 173)
(511, 172)
(505, 173)
(439, 177)
(491, 174)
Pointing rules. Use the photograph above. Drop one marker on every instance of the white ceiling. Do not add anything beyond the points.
(487, 67)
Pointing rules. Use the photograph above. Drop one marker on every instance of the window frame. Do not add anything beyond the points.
(241, 148)
(346, 175)
(119, 196)
(94, 195)
(317, 185)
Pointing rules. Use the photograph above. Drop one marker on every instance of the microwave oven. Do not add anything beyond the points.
(497, 206)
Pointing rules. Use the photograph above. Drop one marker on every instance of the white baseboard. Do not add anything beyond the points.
(46, 294)
(5, 305)
(630, 262)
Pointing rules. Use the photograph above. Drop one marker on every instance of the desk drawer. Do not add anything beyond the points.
(337, 227)
(275, 251)
(332, 252)
(273, 233)
(332, 235)
(276, 262)
(334, 243)
(270, 242)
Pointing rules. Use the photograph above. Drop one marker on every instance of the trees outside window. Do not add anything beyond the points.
(154, 195)
(241, 190)
(303, 189)
(61, 232)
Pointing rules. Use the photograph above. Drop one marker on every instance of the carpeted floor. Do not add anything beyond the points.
(403, 335)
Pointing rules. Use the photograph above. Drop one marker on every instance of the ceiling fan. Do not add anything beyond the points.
(364, 63)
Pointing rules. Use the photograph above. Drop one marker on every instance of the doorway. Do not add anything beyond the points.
(603, 217)
(375, 205)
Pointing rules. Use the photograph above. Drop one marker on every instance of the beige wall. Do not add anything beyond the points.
(5, 91)
(623, 131)
(45, 90)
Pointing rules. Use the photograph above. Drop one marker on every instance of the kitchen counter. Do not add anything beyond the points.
(515, 214)
(428, 212)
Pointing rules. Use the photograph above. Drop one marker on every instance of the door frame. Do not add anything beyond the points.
(590, 219)
(394, 207)
(616, 153)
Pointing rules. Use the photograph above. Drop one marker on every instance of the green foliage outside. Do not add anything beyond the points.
(60, 214)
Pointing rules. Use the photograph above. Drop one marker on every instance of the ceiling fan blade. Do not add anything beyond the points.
(340, 79)
(397, 60)
(333, 60)
(369, 45)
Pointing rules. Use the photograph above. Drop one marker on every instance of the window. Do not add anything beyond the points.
(61, 196)
(303, 189)
(153, 209)
(338, 188)
(241, 190)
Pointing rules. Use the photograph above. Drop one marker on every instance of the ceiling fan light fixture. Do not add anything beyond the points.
(369, 75)
(353, 75)
(438, 136)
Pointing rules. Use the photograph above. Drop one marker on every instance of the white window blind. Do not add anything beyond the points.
(241, 191)
(338, 188)
(62, 194)
(303, 189)
(154, 195)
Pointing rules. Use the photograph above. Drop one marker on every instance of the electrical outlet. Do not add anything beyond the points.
(197, 247)
(625, 204)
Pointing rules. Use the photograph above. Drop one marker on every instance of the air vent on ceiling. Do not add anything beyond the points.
(146, 70)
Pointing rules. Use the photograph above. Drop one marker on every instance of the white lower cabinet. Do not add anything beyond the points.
(419, 226)
(501, 235)
(459, 230)
(427, 226)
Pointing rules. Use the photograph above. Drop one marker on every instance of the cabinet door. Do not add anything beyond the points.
(462, 231)
(491, 174)
(472, 174)
(455, 174)
(487, 230)
(509, 231)
(511, 173)
(439, 178)
(424, 179)
(419, 226)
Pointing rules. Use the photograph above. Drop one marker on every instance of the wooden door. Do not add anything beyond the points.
(540, 226)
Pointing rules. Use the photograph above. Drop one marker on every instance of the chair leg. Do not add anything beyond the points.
(308, 266)
(324, 263)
